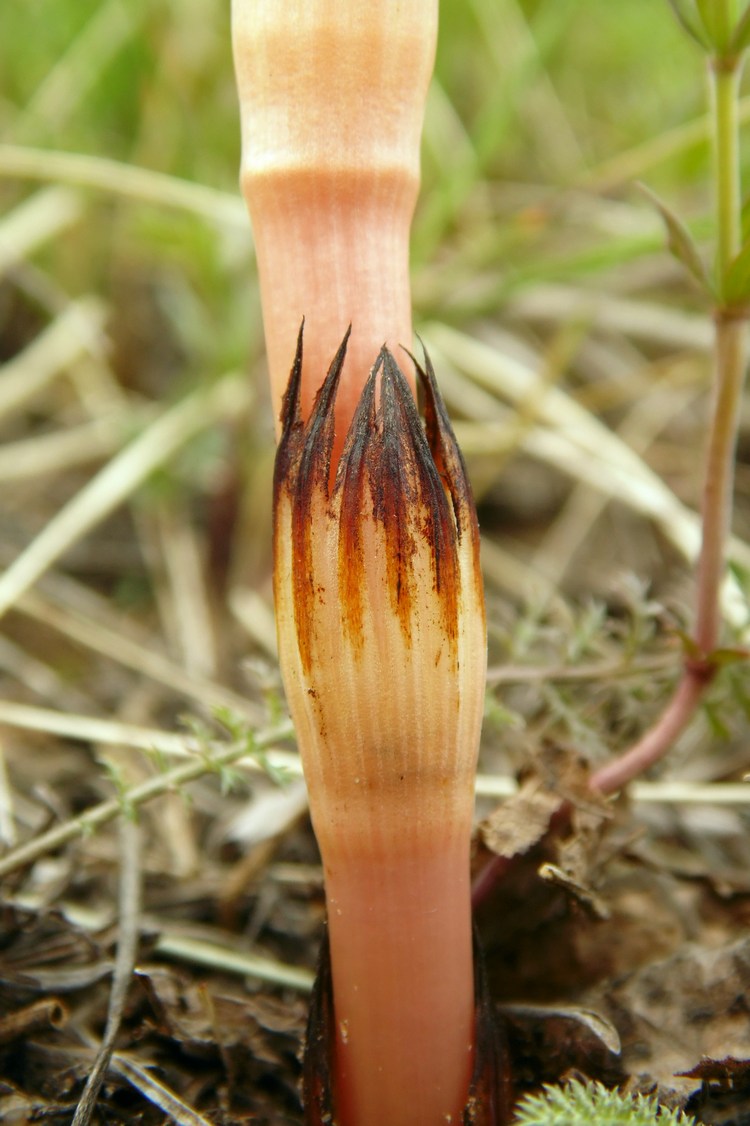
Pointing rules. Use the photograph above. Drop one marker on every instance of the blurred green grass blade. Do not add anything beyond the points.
(687, 22)
(118, 178)
(76, 73)
(668, 145)
(518, 52)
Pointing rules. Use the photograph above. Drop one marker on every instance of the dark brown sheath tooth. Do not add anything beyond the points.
(315, 465)
(290, 408)
(449, 462)
(305, 447)
(284, 470)
(302, 470)
(445, 449)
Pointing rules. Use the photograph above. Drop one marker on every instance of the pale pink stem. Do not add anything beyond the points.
(401, 956)
(334, 251)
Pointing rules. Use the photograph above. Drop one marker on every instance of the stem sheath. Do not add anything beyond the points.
(399, 938)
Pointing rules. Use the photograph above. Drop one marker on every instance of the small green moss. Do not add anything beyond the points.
(592, 1104)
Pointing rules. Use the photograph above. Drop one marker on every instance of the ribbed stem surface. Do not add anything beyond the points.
(333, 249)
(403, 987)
(332, 96)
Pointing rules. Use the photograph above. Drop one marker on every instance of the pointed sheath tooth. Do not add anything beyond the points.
(303, 469)
(444, 448)
(314, 468)
(320, 429)
(452, 468)
(291, 414)
(290, 419)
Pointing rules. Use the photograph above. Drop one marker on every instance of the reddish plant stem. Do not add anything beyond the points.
(657, 740)
(719, 479)
(700, 667)
(729, 371)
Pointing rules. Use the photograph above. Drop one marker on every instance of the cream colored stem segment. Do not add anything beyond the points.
(399, 937)
(332, 96)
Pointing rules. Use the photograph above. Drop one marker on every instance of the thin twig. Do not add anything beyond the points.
(596, 670)
(92, 729)
(39, 1016)
(98, 815)
(67, 448)
(70, 336)
(115, 177)
(127, 948)
(179, 584)
(36, 221)
(630, 165)
(55, 100)
(7, 824)
(642, 793)
(157, 1093)
(212, 954)
(565, 541)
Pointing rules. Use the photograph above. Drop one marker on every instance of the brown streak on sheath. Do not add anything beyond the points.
(409, 500)
(450, 464)
(411, 482)
(312, 483)
(287, 458)
(302, 469)
(351, 482)
(387, 462)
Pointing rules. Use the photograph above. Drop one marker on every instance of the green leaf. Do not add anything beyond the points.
(688, 23)
(716, 722)
(729, 655)
(680, 242)
(158, 758)
(717, 23)
(690, 647)
(745, 221)
(741, 38)
(741, 576)
(736, 284)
